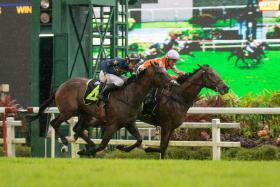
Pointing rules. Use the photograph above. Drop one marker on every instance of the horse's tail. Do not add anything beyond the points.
(42, 108)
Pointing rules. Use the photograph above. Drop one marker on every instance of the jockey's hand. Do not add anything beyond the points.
(140, 68)
(175, 83)
(133, 75)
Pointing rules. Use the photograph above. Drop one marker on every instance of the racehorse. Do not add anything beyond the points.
(121, 110)
(255, 56)
(154, 51)
(173, 103)
(172, 43)
(185, 49)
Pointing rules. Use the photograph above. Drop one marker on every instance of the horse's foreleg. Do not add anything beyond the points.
(152, 150)
(79, 130)
(191, 55)
(164, 140)
(229, 57)
(108, 133)
(133, 130)
(238, 60)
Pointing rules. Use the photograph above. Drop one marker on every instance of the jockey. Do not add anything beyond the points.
(252, 46)
(166, 62)
(112, 70)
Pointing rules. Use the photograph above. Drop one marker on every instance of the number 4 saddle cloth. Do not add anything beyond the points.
(93, 89)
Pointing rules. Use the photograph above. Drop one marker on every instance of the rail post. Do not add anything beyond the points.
(4, 131)
(216, 131)
(11, 146)
(52, 137)
(203, 45)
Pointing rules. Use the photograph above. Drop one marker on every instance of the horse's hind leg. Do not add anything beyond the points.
(132, 129)
(56, 124)
(79, 130)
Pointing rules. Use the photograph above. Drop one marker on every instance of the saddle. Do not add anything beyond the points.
(94, 87)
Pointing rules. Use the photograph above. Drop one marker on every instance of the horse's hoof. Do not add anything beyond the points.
(93, 154)
(120, 147)
(84, 153)
(148, 149)
(123, 148)
(64, 149)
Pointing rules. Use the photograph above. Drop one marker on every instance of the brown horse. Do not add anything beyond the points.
(121, 110)
(173, 103)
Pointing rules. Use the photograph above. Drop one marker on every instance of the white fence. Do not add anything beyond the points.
(9, 141)
(198, 110)
(223, 44)
(215, 143)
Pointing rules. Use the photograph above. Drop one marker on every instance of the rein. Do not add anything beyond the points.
(205, 75)
(172, 97)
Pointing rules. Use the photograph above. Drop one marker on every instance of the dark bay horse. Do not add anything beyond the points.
(256, 56)
(172, 43)
(185, 49)
(121, 110)
(173, 103)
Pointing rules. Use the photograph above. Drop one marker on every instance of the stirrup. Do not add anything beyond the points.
(103, 98)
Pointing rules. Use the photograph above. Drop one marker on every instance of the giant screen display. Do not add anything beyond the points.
(239, 42)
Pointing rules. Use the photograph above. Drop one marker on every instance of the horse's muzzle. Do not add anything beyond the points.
(223, 90)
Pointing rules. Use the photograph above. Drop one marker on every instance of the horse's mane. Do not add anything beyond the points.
(184, 77)
(134, 78)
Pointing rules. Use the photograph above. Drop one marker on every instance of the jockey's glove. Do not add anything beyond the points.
(175, 83)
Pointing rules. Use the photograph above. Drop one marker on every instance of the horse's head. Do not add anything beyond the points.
(158, 75)
(212, 80)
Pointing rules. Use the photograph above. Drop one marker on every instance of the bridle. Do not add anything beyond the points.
(206, 76)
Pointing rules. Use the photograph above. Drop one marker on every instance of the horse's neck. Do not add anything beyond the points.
(189, 90)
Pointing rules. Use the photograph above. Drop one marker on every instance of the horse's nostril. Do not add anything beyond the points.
(226, 89)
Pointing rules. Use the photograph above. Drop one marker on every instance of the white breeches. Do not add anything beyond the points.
(250, 49)
(111, 78)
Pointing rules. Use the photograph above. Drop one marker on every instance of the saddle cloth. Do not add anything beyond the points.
(93, 89)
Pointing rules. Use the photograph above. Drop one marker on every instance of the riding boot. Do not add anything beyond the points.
(105, 92)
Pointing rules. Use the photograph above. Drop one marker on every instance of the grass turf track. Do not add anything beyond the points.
(241, 80)
(31, 172)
